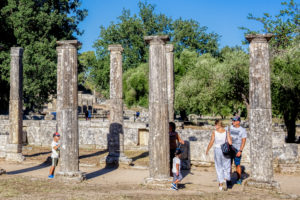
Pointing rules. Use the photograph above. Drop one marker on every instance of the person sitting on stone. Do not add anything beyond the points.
(174, 138)
(55, 153)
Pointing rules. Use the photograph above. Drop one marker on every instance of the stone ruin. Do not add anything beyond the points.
(261, 155)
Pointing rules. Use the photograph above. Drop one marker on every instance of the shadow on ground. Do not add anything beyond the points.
(100, 172)
(142, 155)
(40, 166)
(98, 153)
(37, 154)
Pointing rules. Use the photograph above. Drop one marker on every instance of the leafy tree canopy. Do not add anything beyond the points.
(36, 26)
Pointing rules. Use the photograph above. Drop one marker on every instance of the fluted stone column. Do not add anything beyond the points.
(14, 148)
(261, 153)
(67, 116)
(170, 80)
(116, 131)
(158, 109)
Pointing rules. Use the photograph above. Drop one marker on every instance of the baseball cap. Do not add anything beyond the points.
(236, 118)
(56, 134)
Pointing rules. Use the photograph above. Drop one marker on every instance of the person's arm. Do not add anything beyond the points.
(177, 169)
(179, 139)
(241, 148)
(212, 139)
(229, 139)
(56, 147)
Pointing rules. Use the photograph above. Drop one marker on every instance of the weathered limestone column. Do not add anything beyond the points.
(67, 116)
(158, 109)
(115, 137)
(170, 79)
(14, 148)
(261, 153)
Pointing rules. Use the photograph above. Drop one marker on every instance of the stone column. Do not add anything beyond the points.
(115, 137)
(14, 148)
(170, 79)
(67, 116)
(159, 146)
(261, 153)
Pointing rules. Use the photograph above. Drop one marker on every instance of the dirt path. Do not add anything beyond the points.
(29, 181)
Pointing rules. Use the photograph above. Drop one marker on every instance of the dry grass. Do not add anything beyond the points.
(19, 187)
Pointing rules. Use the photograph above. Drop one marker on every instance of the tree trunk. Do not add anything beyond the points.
(290, 123)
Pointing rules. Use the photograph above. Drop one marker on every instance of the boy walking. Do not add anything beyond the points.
(55, 153)
(177, 177)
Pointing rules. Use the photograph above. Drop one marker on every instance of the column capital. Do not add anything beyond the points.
(115, 47)
(259, 37)
(68, 43)
(157, 39)
(16, 51)
(169, 48)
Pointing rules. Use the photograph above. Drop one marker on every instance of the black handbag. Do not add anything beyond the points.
(227, 149)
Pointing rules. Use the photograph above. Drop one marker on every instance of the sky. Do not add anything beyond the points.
(220, 16)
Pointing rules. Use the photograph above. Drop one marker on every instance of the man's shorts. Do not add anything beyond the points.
(237, 160)
(175, 177)
(54, 162)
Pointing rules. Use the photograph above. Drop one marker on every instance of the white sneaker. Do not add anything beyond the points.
(220, 188)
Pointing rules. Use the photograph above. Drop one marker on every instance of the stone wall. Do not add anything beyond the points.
(93, 134)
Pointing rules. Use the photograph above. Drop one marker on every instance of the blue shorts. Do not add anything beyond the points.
(175, 177)
(237, 160)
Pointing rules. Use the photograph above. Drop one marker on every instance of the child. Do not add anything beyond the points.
(55, 153)
(173, 138)
(177, 177)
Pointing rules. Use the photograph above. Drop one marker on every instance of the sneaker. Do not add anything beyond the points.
(51, 176)
(220, 188)
(239, 182)
(174, 188)
(174, 185)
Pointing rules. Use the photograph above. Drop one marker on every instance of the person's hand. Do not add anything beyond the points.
(238, 154)
(206, 152)
(177, 173)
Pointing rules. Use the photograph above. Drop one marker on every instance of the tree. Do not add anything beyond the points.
(129, 31)
(188, 34)
(284, 26)
(136, 86)
(286, 88)
(36, 26)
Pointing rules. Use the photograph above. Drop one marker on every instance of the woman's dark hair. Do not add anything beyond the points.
(219, 122)
(173, 126)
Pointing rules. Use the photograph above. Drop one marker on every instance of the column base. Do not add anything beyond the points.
(15, 157)
(273, 185)
(2, 171)
(71, 176)
(115, 161)
(158, 181)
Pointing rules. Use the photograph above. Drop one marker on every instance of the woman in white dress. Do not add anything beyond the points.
(222, 163)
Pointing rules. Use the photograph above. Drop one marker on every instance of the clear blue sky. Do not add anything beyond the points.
(220, 16)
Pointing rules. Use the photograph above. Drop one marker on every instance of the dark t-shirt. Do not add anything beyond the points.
(173, 138)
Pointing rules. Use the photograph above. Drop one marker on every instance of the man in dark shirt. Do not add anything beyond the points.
(174, 137)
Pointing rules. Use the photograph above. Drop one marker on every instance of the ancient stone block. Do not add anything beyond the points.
(158, 108)
(260, 113)
(67, 103)
(170, 80)
(14, 150)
